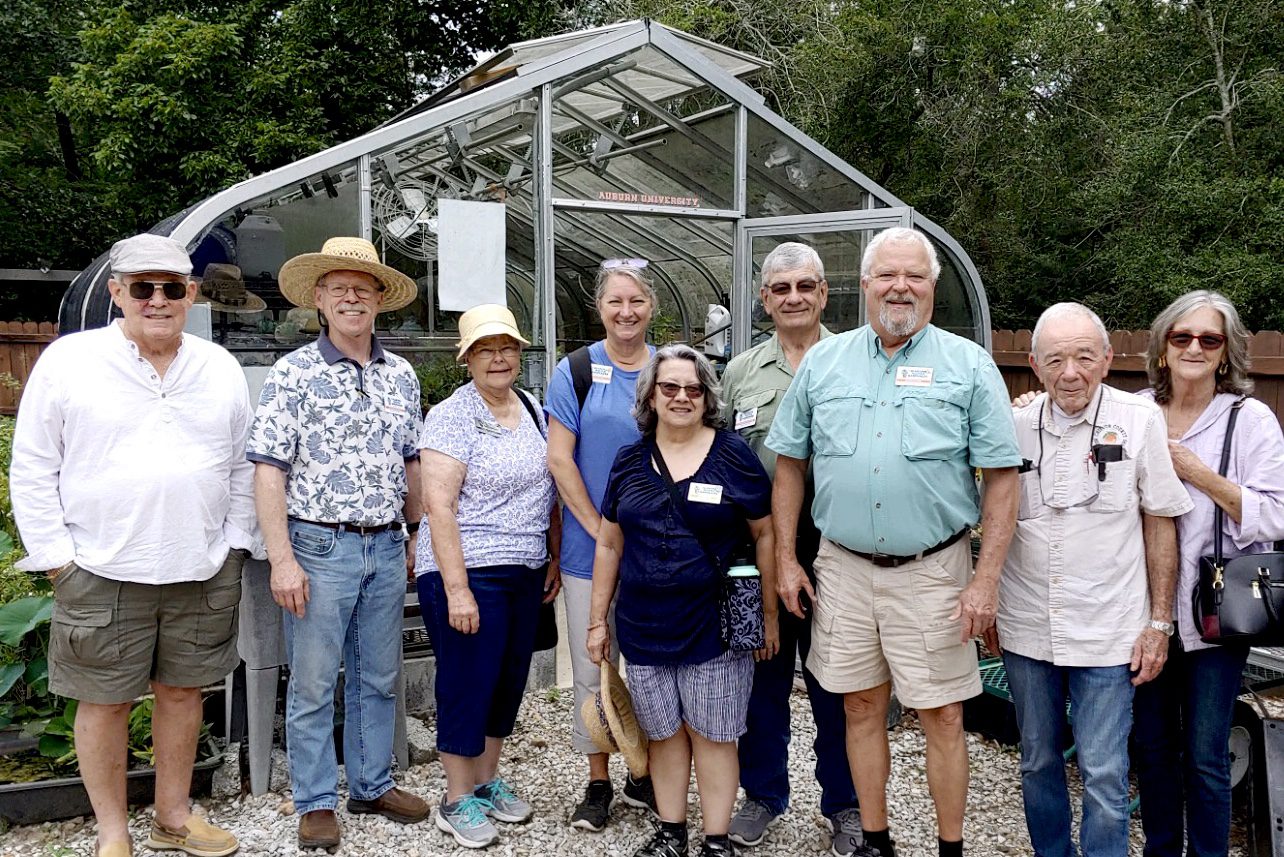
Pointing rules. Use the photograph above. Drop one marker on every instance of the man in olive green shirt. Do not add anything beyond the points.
(794, 293)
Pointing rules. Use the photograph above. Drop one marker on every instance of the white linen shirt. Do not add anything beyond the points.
(1074, 589)
(135, 477)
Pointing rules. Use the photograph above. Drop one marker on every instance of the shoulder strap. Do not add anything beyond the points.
(530, 408)
(679, 505)
(581, 373)
(1218, 515)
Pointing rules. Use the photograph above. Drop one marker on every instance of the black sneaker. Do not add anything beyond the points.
(867, 850)
(664, 844)
(595, 809)
(640, 793)
(723, 848)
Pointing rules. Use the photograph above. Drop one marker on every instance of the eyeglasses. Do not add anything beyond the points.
(612, 264)
(142, 290)
(804, 287)
(510, 352)
(1207, 341)
(363, 293)
(670, 389)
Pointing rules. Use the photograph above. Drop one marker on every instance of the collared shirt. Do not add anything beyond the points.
(893, 441)
(341, 431)
(753, 385)
(1257, 466)
(1074, 589)
(134, 476)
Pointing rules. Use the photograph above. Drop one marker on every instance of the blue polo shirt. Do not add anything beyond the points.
(894, 440)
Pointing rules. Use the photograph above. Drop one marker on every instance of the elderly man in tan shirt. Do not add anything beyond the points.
(1085, 606)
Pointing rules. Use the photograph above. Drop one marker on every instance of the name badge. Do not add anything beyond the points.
(602, 374)
(701, 492)
(914, 376)
(487, 427)
(394, 408)
(747, 419)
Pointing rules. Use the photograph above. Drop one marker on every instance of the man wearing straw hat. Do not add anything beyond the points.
(132, 493)
(336, 472)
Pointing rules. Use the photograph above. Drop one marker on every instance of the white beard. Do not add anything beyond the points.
(898, 328)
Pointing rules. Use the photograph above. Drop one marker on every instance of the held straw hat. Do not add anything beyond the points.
(610, 721)
(486, 320)
(299, 276)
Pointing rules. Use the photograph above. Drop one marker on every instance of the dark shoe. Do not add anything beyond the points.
(664, 844)
(846, 830)
(395, 804)
(319, 829)
(595, 809)
(640, 793)
(867, 850)
(723, 848)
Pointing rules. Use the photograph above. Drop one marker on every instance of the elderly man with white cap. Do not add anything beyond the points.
(132, 493)
(335, 446)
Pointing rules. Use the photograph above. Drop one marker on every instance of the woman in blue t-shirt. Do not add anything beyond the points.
(584, 433)
(661, 544)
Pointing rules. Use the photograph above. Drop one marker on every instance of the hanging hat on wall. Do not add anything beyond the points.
(299, 276)
(224, 290)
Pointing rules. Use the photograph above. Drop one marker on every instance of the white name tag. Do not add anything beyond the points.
(486, 427)
(913, 376)
(746, 419)
(701, 492)
(602, 374)
(394, 408)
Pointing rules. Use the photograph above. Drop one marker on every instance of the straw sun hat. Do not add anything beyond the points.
(486, 320)
(610, 721)
(299, 276)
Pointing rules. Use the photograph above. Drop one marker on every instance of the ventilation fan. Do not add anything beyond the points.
(406, 215)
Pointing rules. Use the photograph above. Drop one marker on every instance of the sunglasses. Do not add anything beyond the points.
(142, 290)
(612, 264)
(670, 389)
(1207, 341)
(804, 287)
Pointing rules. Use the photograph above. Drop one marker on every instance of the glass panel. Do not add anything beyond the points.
(786, 178)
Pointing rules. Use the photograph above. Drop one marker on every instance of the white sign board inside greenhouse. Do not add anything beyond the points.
(470, 254)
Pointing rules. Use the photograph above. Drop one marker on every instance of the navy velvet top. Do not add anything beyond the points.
(667, 612)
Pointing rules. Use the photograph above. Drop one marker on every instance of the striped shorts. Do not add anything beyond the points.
(711, 697)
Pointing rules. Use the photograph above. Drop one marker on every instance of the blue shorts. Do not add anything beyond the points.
(712, 698)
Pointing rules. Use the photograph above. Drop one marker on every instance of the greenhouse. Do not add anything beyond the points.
(628, 141)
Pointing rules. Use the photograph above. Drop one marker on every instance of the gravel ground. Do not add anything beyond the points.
(540, 766)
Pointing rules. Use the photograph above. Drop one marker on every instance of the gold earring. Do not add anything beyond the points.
(1224, 368)
(1163, 362)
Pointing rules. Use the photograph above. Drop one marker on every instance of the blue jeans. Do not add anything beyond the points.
(1101, 707)
(356, 587)
(764, 748)
(481, 677)
(1183, 721)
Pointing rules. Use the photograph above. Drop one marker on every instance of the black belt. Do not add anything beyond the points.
(883, 560)
(361, 529)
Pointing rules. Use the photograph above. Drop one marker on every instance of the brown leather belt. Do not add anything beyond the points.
(360, 529)
(883, 560)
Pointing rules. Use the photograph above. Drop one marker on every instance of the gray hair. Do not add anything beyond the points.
(648, 377)
(1068, 310)
(637, 275)
(900, 235)
(791, 256)
(1236, 379)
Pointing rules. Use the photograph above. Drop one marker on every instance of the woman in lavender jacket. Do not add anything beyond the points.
(1198, 366)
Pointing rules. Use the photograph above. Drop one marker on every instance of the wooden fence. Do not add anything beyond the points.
(1128, 371)
(20, 343)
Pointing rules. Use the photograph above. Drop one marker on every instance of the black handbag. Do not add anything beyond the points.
(1234, 599)
(740, 585)
(546, 630)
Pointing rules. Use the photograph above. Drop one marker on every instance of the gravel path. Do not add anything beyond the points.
(539, 764)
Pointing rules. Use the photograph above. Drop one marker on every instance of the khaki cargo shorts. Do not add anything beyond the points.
(875, 624)
(109, 639)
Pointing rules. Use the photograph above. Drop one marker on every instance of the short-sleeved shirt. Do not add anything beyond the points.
(342, 432)
(507, 493)
(894, 441)
(667, 608)
(1074, 589)
(601, 427)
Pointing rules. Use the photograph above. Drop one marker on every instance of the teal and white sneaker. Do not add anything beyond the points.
(503, 804)
(465, 819)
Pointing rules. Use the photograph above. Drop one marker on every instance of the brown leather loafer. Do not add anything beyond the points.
(396, 804)
(319, 829)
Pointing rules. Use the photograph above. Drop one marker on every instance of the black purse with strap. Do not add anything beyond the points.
(740, 586)
(546, 630)
(1235, 600)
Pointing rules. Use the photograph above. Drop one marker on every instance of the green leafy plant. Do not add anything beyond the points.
(439, 376)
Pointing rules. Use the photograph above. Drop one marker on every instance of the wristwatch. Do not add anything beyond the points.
(1165, 628)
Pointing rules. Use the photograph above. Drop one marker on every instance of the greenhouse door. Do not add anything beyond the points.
(839, 238)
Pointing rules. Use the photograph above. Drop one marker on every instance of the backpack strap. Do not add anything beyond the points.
(581, 373)
(528, 400)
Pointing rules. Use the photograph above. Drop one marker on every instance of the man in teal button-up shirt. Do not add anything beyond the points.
(894, 418)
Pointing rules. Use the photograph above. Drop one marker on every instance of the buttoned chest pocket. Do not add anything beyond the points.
(1031, 497)
(835, 423)
(752, 415)
(1118, 492)
(934, 423)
